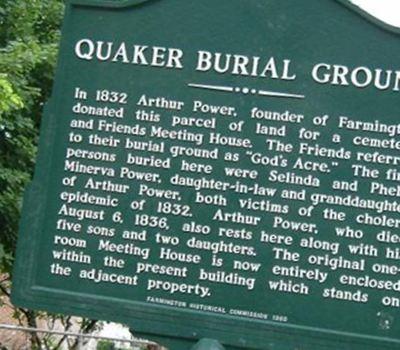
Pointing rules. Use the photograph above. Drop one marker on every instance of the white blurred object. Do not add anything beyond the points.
(386, 10)
(113, 330)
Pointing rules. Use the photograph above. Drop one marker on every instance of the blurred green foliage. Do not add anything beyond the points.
(29, 36)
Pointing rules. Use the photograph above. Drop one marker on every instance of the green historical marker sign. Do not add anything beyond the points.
(221, 169)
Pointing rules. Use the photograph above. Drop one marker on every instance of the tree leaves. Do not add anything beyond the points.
(8, 98)
(29, 35)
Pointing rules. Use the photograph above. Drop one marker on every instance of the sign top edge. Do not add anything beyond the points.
(120, 4)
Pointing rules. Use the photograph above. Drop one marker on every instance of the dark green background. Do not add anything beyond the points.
(307, 32)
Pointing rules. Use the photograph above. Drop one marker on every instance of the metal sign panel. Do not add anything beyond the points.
(225, 169)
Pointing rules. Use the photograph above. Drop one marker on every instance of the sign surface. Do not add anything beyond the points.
(225, 169)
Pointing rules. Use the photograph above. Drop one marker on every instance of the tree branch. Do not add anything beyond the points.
(67, 325)
(4, 290)
(7, 279)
